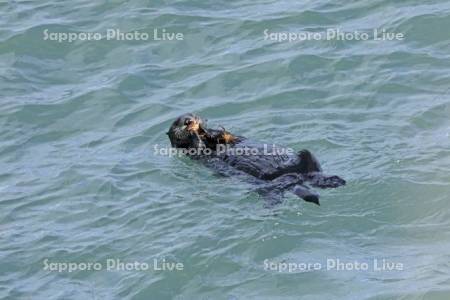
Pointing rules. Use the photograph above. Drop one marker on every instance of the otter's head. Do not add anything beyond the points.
(185, 131)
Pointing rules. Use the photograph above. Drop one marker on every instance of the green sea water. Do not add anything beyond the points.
(80, 181)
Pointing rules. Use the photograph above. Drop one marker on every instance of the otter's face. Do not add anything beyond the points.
(185, 130)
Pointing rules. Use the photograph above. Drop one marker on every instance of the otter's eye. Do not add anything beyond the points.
(187, 121)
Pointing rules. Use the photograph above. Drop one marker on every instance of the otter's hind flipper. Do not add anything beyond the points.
(306, 194)
(273, 191)
(272, 197)
(323, 181)
(308, 162)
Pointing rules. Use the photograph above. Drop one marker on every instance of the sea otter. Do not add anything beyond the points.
(274, 169)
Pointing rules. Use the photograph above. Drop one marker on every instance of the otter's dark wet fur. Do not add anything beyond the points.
(274, 174)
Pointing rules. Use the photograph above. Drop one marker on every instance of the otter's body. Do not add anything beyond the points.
(275, 169)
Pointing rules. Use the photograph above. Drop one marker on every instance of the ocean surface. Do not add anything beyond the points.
(81, 183)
